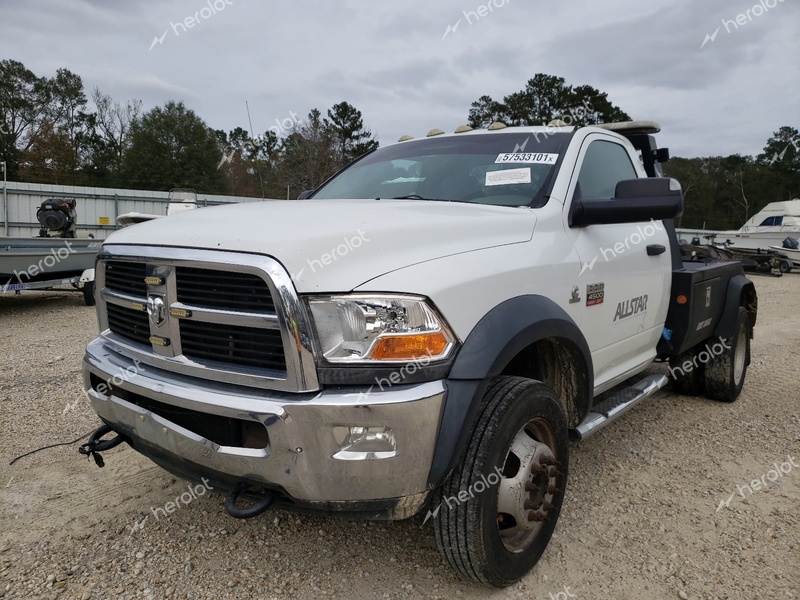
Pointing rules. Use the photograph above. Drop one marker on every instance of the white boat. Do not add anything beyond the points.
(767, 228)
(792, 255)
(179, 200)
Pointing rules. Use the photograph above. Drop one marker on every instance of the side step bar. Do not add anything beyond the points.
(617, 405)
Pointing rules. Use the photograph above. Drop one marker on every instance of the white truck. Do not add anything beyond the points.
(428, 331)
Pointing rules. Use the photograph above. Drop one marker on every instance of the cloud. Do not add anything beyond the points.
(391, 62)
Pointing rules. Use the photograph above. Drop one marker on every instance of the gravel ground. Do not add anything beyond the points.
(652, 508)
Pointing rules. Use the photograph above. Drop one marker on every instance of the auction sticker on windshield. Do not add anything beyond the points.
(528, 158)
(508, 176)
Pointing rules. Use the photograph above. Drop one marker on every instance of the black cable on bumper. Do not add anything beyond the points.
(96, 445)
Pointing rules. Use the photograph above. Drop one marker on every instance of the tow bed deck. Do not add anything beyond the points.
(698, 302)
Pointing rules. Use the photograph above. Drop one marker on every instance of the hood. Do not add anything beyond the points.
(337, 245)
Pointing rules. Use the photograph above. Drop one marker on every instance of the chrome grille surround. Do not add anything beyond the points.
(289, 317)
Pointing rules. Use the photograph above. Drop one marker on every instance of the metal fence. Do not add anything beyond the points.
(97, 208)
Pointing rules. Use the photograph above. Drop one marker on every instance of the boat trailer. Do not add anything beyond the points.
(83, 283)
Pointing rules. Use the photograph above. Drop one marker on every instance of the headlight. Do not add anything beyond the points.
(358, 329)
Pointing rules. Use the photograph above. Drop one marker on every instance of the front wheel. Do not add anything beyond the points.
(727, 364)
(500, 505)
(88, 293)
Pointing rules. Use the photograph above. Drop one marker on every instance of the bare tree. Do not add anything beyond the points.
(114, 122)
(738, 181)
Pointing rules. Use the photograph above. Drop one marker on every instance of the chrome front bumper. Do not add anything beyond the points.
(299, 458)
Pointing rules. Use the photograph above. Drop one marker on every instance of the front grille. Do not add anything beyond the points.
(126, 277)
(224, 290)
(207, 314)
(247, 346)
(128, 323)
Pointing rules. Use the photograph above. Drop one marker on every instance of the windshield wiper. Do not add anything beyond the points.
(415, 197)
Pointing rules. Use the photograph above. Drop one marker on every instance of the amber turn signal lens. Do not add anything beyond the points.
(682, 300)
(409, 347)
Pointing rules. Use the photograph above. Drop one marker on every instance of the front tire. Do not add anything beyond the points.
(725, 372)
(88, 293)
(500, 505)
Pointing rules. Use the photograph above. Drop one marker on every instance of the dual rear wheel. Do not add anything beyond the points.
(717, 368)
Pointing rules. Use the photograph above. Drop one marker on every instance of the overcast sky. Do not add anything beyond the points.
(399, 64)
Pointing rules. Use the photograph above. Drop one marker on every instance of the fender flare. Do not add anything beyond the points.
(499, 336)
(741, 292)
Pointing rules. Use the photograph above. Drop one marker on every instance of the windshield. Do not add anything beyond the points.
(504, 169)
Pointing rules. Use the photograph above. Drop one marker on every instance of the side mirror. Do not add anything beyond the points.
(305, 194)
(635, 201)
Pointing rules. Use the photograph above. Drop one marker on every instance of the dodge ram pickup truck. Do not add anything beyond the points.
(427, 332)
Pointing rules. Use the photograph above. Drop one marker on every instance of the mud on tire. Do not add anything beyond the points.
(501, 525)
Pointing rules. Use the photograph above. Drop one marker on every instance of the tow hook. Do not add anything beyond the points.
(251, 511)
(95, 445)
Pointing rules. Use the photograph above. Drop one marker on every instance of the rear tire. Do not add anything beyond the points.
(785, 266)
(725, 372)
(500, 505)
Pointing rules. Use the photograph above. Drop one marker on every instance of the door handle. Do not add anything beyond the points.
(655, 249)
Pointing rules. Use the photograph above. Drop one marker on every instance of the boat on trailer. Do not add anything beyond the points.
(768, 227)
(791, 250)
(47, 262)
